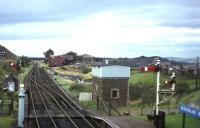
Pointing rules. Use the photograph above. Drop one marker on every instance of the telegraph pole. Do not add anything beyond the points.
(197, 73)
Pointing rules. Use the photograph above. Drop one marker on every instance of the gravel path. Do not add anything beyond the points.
(126, 122)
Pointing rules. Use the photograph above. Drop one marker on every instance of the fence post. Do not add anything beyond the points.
(183, 121)
(109, 109)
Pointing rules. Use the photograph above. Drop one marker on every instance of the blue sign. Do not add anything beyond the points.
(189, 110)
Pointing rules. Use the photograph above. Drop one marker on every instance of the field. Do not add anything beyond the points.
(149, 79)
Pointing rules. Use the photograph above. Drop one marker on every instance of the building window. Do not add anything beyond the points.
(114, 93)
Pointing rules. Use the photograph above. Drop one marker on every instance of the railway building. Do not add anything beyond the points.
(110, 84)
(60, 60)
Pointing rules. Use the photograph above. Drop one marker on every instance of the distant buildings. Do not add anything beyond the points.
(85, 58)
(60, 60)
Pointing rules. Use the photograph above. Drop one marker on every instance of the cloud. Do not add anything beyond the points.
(102, 28)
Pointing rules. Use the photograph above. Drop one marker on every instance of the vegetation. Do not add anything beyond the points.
(190, 98)
(7, 121)
(175, 121)
(24, 72)
(24, 61)
(89, 105)
(82, 72)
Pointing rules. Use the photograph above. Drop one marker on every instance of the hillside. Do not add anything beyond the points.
(137, 62)
(6, 54)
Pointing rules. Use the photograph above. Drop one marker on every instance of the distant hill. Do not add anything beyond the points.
(137, 62)
(6, 54)
(183, 60)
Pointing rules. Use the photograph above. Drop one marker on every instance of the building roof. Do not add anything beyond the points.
(104, 65)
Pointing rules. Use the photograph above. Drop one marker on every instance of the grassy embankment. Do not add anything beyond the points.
(8, 121)
(72, 87)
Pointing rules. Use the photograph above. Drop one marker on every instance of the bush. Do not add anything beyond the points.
(182, 87)
(89, 104)
(85, 70)
(135, 92)
(150, 117)
(78, 87)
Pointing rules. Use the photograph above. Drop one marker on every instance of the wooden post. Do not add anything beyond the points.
(109, 109)
(183, 121)
(28, 107)
(197, 73)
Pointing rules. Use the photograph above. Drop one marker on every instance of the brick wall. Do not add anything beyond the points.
(104, 90)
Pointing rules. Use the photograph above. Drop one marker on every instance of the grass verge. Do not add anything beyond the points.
(7, 121)
(175, 121)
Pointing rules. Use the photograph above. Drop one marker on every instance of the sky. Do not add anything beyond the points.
(103, 28)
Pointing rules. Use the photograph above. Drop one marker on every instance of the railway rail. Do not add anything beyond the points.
(50, 107)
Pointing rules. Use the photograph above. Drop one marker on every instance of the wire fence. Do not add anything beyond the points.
(5, 107)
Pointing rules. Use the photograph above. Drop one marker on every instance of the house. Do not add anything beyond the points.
(110, 84)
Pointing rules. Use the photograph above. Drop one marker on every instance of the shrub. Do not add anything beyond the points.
(182, 87)
(77, 87)
(85, 70)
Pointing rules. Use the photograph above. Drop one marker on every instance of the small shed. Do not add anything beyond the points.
(10, 83)
(110, 84)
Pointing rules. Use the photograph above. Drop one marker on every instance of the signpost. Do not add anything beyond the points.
(159, 116)
(186, 109)
(189, 110)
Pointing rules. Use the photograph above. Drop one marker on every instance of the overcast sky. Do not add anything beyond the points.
(104, 28)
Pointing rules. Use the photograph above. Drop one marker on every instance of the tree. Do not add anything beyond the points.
(182, 87)
(75, 55)
(25, 61)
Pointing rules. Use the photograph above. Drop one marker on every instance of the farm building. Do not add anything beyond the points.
(110, 84)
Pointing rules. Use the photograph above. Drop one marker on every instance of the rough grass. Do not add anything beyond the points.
(6, 121)
(149, 79)
(71, 88)
(25, 72)
(139, 117)
(73, 71)
(145, 78)
(175, 121)
(89, 105)
(190, 98)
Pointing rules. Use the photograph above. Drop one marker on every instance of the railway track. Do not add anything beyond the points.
(50, 107)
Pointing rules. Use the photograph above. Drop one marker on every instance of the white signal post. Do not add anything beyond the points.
(21, 106)
(157, 86)
(174, 83)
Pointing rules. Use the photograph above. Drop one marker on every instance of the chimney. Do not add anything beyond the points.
(106, 61)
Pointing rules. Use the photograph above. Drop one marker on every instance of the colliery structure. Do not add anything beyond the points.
(48, 106)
